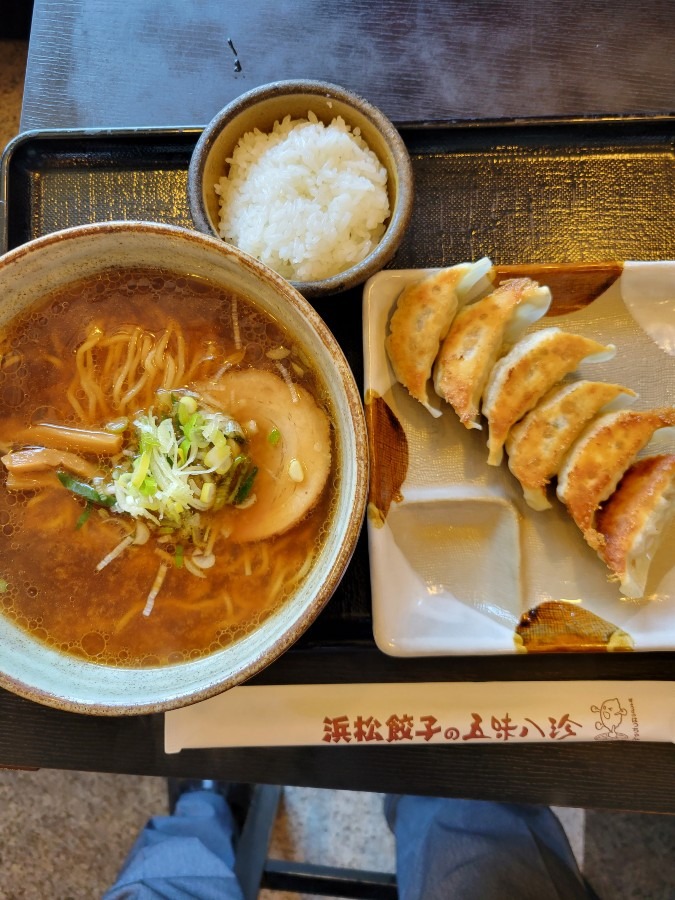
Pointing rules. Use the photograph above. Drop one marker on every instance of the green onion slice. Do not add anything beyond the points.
(86, 512)
(179, 555)
(246, 486)
(84, 489)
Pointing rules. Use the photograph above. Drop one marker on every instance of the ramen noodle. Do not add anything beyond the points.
(168, 472)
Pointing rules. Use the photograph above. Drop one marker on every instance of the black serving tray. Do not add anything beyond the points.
(518, 191)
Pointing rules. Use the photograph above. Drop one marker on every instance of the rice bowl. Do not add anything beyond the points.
(306, 226)
(307, 199)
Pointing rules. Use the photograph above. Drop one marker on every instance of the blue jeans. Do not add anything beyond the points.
(444, 849)
(186, 855)
(473, 849)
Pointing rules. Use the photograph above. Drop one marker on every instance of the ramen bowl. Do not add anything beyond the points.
(260, 109)
(45, 671)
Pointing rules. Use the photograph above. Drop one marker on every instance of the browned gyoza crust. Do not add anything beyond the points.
(632, 518)
(420, 322)
(521, 378)
(474, 343)
(599, 459)
(538, 443)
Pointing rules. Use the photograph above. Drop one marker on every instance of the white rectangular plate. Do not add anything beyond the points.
(460, 557)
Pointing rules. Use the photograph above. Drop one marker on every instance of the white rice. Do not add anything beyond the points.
(309, 200)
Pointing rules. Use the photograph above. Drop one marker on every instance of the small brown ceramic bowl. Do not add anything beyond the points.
(261, 108)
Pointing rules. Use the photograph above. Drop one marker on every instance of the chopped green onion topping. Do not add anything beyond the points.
(189, 425)
(179, 556)
(4, 585)
(246, 486)
(149, 486)
(187, 408)
(185, 455)
(84, 489)
(86, 512)
(274, 437)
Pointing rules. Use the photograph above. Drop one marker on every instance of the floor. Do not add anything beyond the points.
(64, 835)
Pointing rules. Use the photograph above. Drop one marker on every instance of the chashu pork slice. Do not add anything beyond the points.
(528, 371)
(289, 442)
(600, 457)
(633, 520)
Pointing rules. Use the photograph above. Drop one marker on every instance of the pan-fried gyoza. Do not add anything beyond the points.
(537, 445)
(530, 369)
(554, 427)
(477, 337)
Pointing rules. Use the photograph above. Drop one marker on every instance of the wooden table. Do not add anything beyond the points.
(166, 62)
(93, 64)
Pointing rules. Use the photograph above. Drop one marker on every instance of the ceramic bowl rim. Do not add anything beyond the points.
(352, 522)
(400, 215)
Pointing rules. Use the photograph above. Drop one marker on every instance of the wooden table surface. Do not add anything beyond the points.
(93, 63)
(96, 64)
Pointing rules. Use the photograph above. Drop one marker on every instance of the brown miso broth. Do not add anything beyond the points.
(53, 539)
